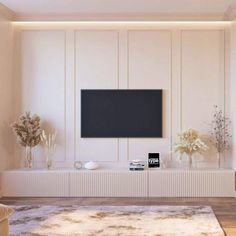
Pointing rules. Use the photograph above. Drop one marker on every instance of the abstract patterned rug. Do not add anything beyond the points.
(114, 220)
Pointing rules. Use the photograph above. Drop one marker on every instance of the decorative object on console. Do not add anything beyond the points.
(154, 160)
(220, 133)
(49, 144)
(78, 164)
(28, 131)
(91, 165)
(136, 165)
(189, 143)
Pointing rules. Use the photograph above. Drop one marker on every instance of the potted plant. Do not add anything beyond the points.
(189, 143)
(27, 129)
(220, 133)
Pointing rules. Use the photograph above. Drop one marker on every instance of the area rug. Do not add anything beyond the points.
(114, 220)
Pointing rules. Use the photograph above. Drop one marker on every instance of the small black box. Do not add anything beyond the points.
(154, 160)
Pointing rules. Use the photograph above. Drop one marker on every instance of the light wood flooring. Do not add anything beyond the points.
(224, 208)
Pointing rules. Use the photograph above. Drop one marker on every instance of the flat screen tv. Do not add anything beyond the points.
(121, 113)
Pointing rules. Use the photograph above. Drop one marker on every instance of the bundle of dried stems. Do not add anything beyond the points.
(27, 130)
(220, 130)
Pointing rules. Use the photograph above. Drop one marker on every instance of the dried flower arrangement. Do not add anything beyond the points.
(28, 131)
(220, 132)
(49, 142)
(189, 143)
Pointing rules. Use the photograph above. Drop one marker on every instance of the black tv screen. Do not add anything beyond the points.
(121, 113)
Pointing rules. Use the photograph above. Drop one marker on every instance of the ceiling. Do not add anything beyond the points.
(66, 7)
(116, 6)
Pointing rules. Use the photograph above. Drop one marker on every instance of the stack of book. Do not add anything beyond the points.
(136, 165)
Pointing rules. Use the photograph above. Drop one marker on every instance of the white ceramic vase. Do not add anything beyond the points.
(91, 165)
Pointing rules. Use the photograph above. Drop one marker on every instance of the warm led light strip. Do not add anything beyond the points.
(123, 22)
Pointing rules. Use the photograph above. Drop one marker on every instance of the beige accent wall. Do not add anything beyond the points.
(6, 108)
(55, 60)
(233, 87)
(6, 92)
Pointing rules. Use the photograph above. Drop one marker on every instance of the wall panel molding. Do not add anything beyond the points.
(70, 97)
(202, 79)
(136, 56)
(221, 58)
(107, 42)
(175, 87)
(150, 67)
(43, 62)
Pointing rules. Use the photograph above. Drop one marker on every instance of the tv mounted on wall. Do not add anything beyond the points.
(121, 113)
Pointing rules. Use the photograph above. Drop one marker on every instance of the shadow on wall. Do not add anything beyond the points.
(7, 143)
(6, 108)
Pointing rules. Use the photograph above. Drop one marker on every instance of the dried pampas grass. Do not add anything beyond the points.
(28, 130)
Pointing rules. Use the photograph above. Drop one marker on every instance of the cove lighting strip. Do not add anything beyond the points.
(123, 22)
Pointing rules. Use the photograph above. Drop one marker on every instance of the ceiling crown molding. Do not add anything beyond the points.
(151, 16)
(6, 13)
(230, 13)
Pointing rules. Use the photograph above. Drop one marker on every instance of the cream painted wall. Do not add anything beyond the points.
(6, 140)
(55, 61)
(233, 86)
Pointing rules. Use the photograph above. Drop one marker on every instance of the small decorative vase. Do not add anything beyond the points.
(78, 165)
(91, 165)
(190, 161)
(28, 157)
(49, 155)
(220, 161)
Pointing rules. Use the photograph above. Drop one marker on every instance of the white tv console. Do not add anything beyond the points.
(118, 183)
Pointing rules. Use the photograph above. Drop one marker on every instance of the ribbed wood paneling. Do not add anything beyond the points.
(108, 184)
(186, 183)
(99, 183)
(35, 184)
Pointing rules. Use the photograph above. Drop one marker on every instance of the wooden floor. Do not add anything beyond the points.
(224, 208)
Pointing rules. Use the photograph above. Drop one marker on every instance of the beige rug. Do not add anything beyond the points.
(114, 220)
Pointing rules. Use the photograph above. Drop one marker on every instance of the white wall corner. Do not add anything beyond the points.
(230, 13)
(1, 185)
(6, 13)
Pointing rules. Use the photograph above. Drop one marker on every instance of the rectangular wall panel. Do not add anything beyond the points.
(202, 76)
(56, 62)
(149, 67)
(202, 82)
(187, 183)
(96, 63)
(108, 184)
(42, 84)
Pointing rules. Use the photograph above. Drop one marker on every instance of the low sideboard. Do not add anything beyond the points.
(118, 183)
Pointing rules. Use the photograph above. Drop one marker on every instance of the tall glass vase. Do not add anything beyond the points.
(49, 154)
(28, 157)
(220, 160)
(190, 161)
